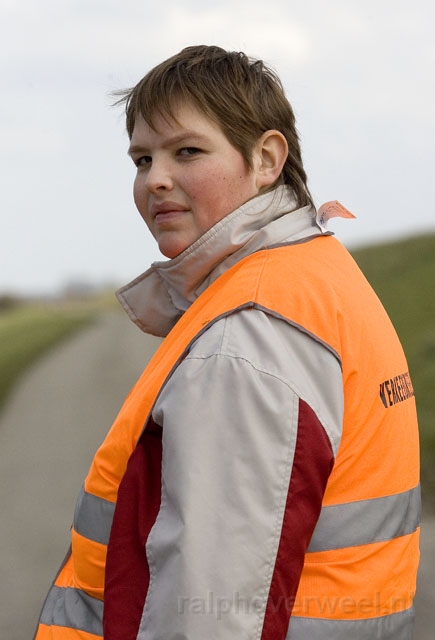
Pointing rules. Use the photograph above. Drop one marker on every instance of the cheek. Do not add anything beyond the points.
(136, 190)
(220, 191)
(232, 190)
(139, 196)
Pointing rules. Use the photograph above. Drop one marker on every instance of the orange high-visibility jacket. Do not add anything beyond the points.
(359, 572)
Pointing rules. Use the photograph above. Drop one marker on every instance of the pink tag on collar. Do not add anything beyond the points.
(329, 210)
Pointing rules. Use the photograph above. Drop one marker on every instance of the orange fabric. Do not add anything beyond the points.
(84, 568)
(89, 559)
(64, 633)
(65, 578)
(373, 437)
(328, 587)
(312, 290)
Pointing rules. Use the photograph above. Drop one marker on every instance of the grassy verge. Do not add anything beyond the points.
(27, 331)
(403, 275)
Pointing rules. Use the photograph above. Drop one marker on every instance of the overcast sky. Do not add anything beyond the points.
(360, 76)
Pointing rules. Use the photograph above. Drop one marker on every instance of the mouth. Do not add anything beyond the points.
(165, 210)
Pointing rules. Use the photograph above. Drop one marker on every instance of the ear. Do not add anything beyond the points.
(269, 156)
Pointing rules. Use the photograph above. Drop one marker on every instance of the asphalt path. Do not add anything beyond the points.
(51, 426)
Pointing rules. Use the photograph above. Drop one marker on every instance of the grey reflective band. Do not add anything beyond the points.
(74, 609)
(93, 517)
(397, 626)
(365, 521)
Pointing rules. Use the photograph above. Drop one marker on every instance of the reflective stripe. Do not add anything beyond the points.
(365, 521)
(397, 626)
(93, 517)
(74, 609)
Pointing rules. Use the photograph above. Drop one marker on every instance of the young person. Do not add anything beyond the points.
(262, 478)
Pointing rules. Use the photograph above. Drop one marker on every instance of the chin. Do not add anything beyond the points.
(171, 251)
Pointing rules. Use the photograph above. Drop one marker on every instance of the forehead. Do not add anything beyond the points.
(185, 118)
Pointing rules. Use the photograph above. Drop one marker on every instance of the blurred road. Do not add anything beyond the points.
(50, 428)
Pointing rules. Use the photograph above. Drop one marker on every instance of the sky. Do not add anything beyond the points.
(359, 75)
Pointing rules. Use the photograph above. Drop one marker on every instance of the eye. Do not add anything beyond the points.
(142, 161)
(189, 151)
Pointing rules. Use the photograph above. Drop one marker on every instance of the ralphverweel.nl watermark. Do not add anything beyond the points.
(346, 606)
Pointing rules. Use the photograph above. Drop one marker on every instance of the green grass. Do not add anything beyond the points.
(403, 275)
(27, 331)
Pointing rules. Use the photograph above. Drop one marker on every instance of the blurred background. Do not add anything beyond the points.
(359, 75)
(360, 79)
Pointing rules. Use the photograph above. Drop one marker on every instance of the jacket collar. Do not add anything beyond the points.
(157, 298)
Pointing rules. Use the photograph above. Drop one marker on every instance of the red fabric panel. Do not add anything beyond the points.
(313, 461)
(127, 571)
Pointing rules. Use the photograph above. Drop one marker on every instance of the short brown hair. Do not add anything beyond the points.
(242, 95)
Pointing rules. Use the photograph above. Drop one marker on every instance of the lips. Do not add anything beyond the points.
(165, 208)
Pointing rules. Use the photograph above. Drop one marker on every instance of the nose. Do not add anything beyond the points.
(158, 177)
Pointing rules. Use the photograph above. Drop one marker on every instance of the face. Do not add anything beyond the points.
(189, 177)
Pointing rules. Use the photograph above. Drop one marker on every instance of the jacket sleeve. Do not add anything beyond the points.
(251, 421)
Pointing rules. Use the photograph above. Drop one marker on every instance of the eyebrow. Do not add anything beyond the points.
(176, 139)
